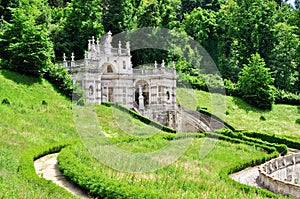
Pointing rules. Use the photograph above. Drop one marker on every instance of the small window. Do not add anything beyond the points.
(168, 95)
(109, 69)
(124, 65)
(91, 91)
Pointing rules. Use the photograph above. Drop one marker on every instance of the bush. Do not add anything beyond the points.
(280, 147)
(262, 118)
(283, 97)
(297, 121)
(6, 101)
(26, 168)
(60, 78)
(44, 102)
(96, 183)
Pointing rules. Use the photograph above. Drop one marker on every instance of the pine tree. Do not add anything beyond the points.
(255, 83)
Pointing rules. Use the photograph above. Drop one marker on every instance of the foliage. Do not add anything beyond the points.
(29, 130)
(25, 43)
(60, 78)
(281, 119)
(284, 97)
(81, 21)
(283, 57)
(255, 83)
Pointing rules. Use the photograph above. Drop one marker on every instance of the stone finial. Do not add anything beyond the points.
(93, 40)
(163, 64)
(85, 55)
(64, 57)
(72, 57)
(173, 64)
(98, 41)
(155, 64)
(127, 45)
(120, 44)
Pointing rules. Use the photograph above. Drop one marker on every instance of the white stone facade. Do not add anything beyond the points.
(106, 75)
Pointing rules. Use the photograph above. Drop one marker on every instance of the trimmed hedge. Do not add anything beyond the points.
(273, 139)
(26, 168)
(280, 147)
(268, 149)
(98, 184)
(139, 117)
(230, 169)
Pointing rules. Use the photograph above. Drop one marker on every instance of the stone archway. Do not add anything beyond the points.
(142, 94)
(108, 68)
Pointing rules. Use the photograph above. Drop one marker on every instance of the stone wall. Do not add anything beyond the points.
(281, 175)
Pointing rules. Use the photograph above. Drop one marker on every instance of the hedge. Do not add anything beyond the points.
(139, 117)
(280, 147)
(230, 169)
(99, 184)
(273, 139)
(26, 168)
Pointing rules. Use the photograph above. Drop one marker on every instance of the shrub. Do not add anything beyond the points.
(6, 101)
(44, 102)
(60, 78)
(262, 118)
(297, 121)
(284, 97)
(97, 183)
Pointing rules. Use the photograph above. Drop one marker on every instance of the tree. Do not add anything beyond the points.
(284, 56)
(5, 5)
(25, 43)
(118, 15)
(255, 83)
(82, 21)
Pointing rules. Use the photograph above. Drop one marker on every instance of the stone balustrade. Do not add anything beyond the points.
(281, 175)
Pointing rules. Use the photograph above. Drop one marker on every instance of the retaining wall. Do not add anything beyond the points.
(282, 175)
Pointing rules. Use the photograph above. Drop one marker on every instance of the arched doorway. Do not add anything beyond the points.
(142, 87)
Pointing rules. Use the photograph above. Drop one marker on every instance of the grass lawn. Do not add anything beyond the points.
(192, 176)
(38, 116)
(27, 123)
(280, 120)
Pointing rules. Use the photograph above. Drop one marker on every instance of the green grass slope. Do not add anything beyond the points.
(280, 120)
(27, 123)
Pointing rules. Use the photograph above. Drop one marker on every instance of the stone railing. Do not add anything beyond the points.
(281, 175)
(154, 71)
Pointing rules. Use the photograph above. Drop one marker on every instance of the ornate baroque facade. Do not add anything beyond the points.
(106, 75)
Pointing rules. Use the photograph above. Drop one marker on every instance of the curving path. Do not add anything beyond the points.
(249, 176)
(46, 167)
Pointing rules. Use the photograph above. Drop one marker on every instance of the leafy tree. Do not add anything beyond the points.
(201, 24)
(5, 5)
(25, 43)
(82, 21)
(284, 57)
(255, 83)
(118, 15)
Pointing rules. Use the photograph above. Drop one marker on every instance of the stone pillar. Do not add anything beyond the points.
(141, 99)
(65, 63)
(72, 60)
(128, 48)
(120, 48)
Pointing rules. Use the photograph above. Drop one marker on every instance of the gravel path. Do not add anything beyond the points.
(46, 167)
(248, 176)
